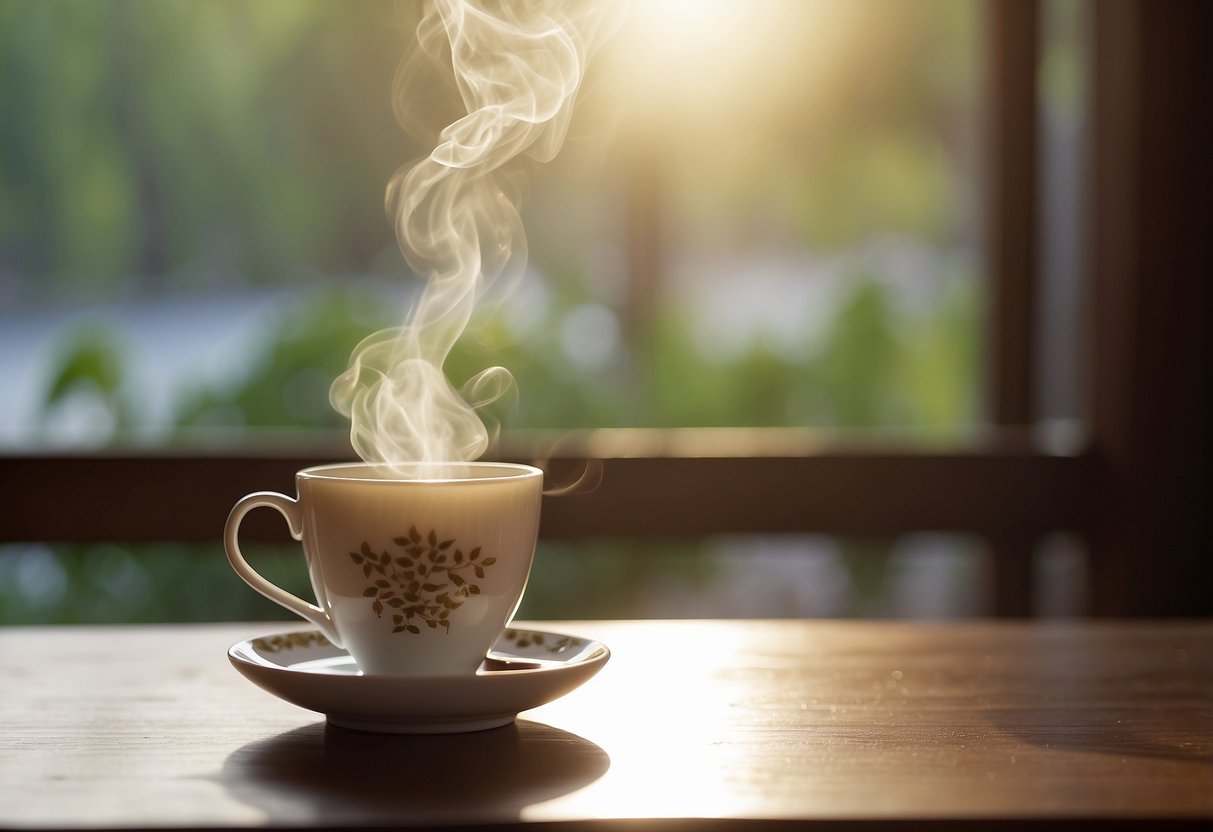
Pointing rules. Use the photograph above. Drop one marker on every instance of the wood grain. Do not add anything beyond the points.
(1089, 725)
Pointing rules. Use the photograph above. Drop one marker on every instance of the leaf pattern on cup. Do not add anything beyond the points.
(422, 584)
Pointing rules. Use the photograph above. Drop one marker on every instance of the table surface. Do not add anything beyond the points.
(882, 723)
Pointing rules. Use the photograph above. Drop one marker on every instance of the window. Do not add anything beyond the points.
(845, 186)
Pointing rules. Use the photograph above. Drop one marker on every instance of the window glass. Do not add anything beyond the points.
(927, 575)
(764, 214)
(1060, 353)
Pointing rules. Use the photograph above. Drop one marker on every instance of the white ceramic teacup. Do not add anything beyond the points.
(412, 575)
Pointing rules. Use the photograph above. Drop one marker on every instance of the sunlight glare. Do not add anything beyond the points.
(633, 717)
(683, 64)
(689, 54)
(684, 28)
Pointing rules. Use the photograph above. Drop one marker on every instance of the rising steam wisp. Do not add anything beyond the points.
(517, 67)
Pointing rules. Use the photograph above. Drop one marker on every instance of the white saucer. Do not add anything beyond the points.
(525, 669)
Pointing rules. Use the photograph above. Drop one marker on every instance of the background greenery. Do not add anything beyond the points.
(154, 148)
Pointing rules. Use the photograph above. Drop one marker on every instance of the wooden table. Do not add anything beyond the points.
(848, 724)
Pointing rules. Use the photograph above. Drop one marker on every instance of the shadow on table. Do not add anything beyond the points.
(1101, 733)
(321, 774)
(1142, 696)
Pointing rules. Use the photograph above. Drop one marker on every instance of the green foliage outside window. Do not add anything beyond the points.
(151, 148)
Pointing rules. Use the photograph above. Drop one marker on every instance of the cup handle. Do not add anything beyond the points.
(289, 509)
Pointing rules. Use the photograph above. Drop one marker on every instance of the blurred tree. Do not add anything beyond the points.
(89, 365)
(285, 382)
(153, 145)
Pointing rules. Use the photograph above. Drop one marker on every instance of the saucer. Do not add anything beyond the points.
(524, 669)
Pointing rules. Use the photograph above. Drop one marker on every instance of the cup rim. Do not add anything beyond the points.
(510, 471)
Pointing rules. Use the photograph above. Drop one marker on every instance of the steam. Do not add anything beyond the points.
(517, 67)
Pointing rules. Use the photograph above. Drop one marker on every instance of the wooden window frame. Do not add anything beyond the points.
(1136, 491)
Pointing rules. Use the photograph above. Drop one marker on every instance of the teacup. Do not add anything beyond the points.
(412, 575)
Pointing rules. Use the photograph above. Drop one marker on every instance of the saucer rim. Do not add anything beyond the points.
(416, 704)
(597, 656)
